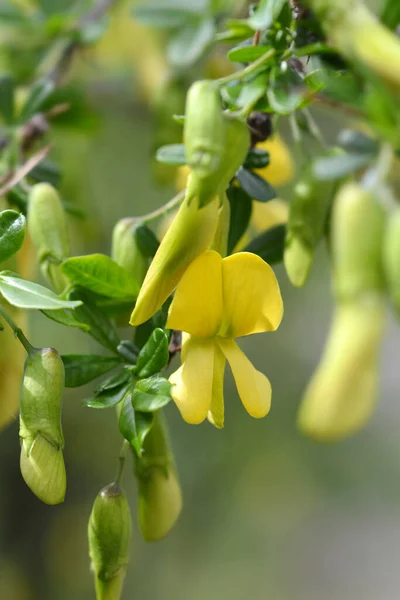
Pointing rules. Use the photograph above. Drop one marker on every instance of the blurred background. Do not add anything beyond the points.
(267, 513)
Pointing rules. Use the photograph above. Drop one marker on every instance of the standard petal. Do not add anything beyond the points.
(216, 412)
(252, 298)
(192, 382)
(253, 387)
(197, 304)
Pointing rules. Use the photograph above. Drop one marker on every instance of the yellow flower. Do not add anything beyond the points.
(216, 301)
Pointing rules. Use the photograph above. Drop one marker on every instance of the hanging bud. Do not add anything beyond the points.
(305, 228)
(160, 497)
(109, 534)
(391, 258)
(190, 234)
(48, 229)
(125, 250)
(42, 463)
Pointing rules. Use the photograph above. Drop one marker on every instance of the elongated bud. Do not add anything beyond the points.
(125, 250)
(109, 535)
(358, 223)
(160, 497)
(232, 155)
(204, 131)
(48, 229)
(190, 234)
(42, 441)
(391, 258)
(342, 393)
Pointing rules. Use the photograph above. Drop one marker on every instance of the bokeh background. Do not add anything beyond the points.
(267, 513)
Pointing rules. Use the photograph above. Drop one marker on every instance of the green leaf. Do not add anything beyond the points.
(101, 275)
(83, 368)
(65, 317)
(39, 93)
(151, 394)
(128, 351)
(12, 233)
(115, 381)
(255, 186)
(265, 14)
(283, 101)
(107, 398)
(46, 171)
(99, 324)
(356, 141)
(188, 44)
(256, 158)
(238, 31)
(252, 91)
(335, 167)
(134, 425)
(25, 294)
(246, 54)
(269, 245)
(390, 14)
(172, 154)
(146, 241)
(154, 355)
(7, 88)
(240, 214)
(164, 17)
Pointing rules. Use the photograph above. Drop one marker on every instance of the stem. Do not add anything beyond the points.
(121, 460)
(249, 70)
(17, 331)
(165, 209)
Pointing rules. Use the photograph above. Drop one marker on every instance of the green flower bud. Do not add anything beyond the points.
(204, 131)
(42, 441)
(342, 393)
(305, 228)
(109, 534)
(391, 258)
(125, 250)
(358, 223)
(160, 497)
(48, 229)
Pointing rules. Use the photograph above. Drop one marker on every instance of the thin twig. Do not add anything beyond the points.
(17, 330)
(26, 168)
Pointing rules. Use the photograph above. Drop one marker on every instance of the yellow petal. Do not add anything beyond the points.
(269, 214)
(216, 412)
(197, 304)
(281, 168)
(253, 387)
(192, 382)
(252, 298)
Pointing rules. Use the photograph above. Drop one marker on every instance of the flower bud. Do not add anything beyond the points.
(307, 217)
(160, 497)
(190, 234)
(358, 223)
(391, 258)
(342, 393)
(48, 229)
(125, 250)
(109, 534)
(42, 463)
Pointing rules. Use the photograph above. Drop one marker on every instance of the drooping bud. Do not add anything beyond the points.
(190, 234)
(391, 258)
(109, 533)
(48, 229)
(42, 441)
(160, 497)
(125, 250)
(305, 228)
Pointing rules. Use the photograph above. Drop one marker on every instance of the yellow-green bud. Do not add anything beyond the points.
(358, 224)
(48, 229)
(391, 258)
(191, 233)
(204, 131)
(109, 535)
(342, 393)
(42, 463)
(125, 250)
(160, 497)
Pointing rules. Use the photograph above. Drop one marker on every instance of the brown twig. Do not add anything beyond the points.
(24, 169)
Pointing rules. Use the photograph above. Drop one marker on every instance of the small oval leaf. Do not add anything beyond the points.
(151, 394)
(154, 355)
(134, 425)
(12, 233)
(25, 294)
(83, 368)
(255, 186)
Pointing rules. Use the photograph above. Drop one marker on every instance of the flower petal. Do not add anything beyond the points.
(197, 304)
(253, 387)
(192, 382)
(252, 298)
(216, 412)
